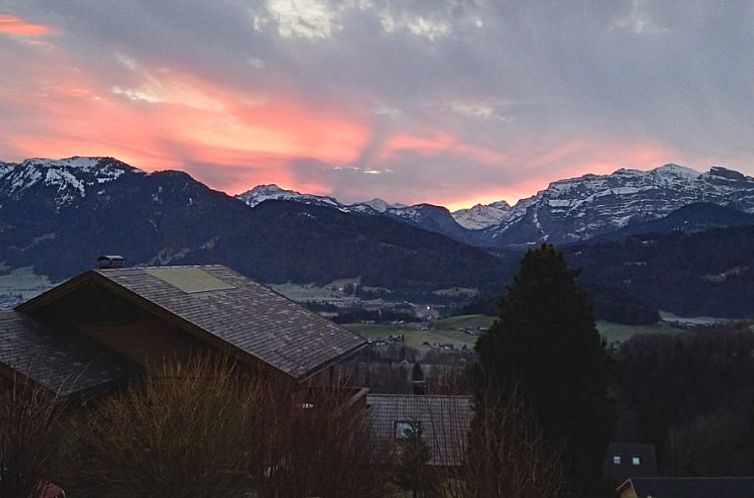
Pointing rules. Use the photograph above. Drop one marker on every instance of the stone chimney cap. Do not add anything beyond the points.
(111, 261)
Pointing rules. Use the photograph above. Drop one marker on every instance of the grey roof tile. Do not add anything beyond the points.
(693, 487)
(444, 421)
(62, 362)
(243, 313)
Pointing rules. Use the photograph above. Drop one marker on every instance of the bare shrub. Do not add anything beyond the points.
(204, 428)
(184, 433)
(315, 444)
(503, 454)
(30, 438)
(508, 455)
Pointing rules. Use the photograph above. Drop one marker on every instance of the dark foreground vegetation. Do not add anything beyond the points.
(203, 429)
(548, 396)
(692, 395)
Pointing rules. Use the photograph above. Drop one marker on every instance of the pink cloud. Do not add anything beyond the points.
(233, 139)
(15, 26)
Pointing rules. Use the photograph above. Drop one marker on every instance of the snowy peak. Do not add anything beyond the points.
(676, 171)
(580, 208)
(66, 179)
(377, 205)
(482, 215)
(262, 193)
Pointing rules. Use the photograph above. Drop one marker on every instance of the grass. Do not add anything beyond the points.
(442, 331)
(617, 332)
(445, 330)
(454, 322)
(23, 281)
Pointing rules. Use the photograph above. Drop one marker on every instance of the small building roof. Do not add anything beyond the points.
(216, 302)
(69, 364)
(444, 422)
(687, 487)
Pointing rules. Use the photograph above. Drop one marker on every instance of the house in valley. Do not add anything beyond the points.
(443, 422)
(624, 460)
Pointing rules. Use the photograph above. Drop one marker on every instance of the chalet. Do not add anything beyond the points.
(108, 325)
(687, 487)
(626, 460)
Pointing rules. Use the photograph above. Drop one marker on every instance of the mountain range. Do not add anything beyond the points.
(57, 216)
(567, 211)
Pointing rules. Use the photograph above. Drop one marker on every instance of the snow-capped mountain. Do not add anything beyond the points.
(262, 193)
(63, 181)
(58, 216)
(427, 216)
(482, 215)
(579, 208)
(377, 205)
(566, 211)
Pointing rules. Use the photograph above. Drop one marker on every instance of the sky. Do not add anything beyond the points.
(452, 102)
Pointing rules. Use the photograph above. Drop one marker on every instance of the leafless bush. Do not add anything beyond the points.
(30, 438)
(508, 455)
(205, 429)
(503, 454)
(184, 433)
(713, 444)
(318, 445)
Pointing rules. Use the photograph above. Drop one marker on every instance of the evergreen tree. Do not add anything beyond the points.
(546, 348)
(413, 457)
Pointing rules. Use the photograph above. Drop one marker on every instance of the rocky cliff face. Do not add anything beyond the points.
(580, 208)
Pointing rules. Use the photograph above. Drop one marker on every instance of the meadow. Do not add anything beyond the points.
(450, 330)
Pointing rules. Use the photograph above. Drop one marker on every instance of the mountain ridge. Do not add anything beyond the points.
(58, 224)
(57, 216)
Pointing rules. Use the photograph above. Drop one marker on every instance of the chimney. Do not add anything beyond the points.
(110, 261)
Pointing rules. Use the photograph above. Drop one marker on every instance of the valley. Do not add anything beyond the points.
(640, 238)
(463, 331)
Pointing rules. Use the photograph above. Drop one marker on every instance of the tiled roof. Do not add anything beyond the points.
(444, 421)
(243, 313)
(62, 362)
(691, 487)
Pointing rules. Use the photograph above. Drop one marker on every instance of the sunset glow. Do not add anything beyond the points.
(271, 96)
(12, 25)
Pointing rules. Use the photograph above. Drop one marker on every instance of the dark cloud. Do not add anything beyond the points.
(519, 92)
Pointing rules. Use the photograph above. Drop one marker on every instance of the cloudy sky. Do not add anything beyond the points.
(446, 101)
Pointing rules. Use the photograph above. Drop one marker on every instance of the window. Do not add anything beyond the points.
(616, 460)
(635, 461)
(404, 429)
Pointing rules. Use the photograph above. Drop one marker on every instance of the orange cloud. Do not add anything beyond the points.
(177, 121)
(233, 139)
(438, 142)
(567, 160)
(15, 26)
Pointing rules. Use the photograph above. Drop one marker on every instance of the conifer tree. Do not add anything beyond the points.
(546, 348)
(413, 457)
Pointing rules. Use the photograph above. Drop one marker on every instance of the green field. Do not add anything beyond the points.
(441, 331)
(446, 330)
(616, 332)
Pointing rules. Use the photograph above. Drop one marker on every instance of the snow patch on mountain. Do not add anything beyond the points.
(482, 215)
(578, 208)
(262, 193)
(377, 205)
(67, 179)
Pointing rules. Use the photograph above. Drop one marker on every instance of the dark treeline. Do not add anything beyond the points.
(692, 395)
